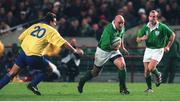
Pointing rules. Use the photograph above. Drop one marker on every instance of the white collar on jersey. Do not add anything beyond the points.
(113, 24)
(156, 26)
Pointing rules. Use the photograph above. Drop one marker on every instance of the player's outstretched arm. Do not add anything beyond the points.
(68, 46)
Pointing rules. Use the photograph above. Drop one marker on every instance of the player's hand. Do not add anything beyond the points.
(79, 51)
(145, 37)
(166, 49)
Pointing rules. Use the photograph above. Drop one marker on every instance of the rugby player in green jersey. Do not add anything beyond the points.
(106, 50)
(158, 38)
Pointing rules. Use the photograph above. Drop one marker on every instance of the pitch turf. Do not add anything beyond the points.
(92, 92)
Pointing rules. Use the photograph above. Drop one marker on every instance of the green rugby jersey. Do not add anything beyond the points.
(108, 35)
(157, 37)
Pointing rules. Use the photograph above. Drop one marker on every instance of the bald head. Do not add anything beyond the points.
(119, 17)
(119, 22)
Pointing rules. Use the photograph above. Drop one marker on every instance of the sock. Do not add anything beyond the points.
(5, 80)
(156, 72)
(122, 78)
(86, 77)
(148, 81)
(37, 79)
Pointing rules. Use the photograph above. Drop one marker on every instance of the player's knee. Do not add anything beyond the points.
(146, 72)
(12, 74)
(151, 67)
(121, 65)
(95, 72)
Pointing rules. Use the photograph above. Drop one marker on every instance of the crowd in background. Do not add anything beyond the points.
(86, 17)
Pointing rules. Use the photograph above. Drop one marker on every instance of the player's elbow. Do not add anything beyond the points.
(172, 37)
(65, 45)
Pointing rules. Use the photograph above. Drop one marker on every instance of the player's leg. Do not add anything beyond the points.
(37, 78)
(19, 63)
(101, 57)
(54, 68)
(152, 67)
(155, 59)
(6, 79)
(119, 62)
(147, 76)
(146, 59)
(88, 76)
(42, 65)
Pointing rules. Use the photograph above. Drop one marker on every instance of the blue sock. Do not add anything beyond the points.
(37, 79)
(5, 80)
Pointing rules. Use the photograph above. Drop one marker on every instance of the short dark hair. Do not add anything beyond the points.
(155, 11)
(49, 17)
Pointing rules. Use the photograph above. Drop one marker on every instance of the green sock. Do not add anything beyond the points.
(86, 77)
(156, 72)
(148, 81)
(122, 78)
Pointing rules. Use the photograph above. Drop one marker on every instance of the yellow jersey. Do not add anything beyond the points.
(51, 50)
(36, 38)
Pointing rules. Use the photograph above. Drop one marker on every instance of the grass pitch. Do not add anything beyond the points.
(92, 92)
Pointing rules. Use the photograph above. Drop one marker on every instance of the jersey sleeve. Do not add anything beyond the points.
(141, 32)
(168, 31)
(56, 39)
(108, 35)
(23, 35)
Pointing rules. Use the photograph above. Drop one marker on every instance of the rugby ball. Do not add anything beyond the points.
(115, 44)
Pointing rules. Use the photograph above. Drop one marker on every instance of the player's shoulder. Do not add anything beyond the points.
(145, 26)
(163, 25)
(109, 27)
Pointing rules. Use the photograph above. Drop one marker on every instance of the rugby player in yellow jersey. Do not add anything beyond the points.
(33, 42)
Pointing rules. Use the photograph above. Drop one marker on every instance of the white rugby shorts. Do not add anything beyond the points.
(101, 56)
(155, 54)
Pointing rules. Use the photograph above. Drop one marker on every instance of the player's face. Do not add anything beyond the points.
(119, 24)
(153, 18)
